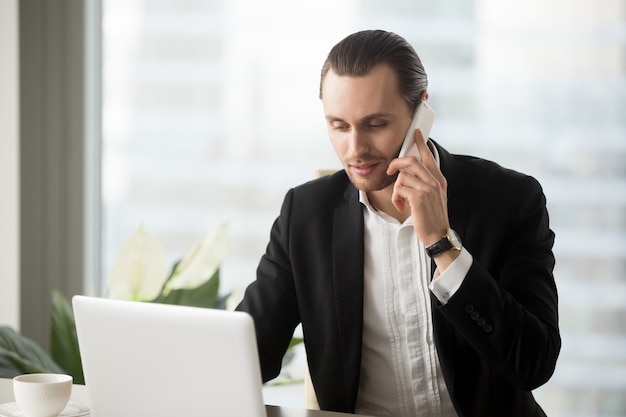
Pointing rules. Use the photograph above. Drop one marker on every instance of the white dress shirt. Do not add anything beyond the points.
(400, 371)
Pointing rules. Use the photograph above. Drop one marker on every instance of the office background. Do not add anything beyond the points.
(180, 115)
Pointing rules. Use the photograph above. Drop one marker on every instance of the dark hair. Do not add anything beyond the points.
(358, 53)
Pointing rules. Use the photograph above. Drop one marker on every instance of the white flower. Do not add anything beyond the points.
(199, 265)
(140, 269)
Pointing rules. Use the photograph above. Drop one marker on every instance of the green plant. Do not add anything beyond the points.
(63, 338)
(20, 355)
(64, 343)
(139, 274)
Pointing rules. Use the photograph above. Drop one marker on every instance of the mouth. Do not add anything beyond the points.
(363, 169)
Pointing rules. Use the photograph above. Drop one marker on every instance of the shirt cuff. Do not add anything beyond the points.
(446, 284)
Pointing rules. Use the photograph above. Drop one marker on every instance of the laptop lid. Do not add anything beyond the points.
(147, 359)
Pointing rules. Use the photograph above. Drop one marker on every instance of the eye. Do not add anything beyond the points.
(340, 126)
(376, 124)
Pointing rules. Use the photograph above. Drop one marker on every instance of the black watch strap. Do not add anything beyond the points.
(440, 247)
(450, 241)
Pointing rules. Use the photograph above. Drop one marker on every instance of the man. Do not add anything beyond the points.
(399, 317)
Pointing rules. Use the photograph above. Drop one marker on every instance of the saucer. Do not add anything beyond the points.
(73, 409)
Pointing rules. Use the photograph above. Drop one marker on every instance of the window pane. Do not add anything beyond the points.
(211, 114)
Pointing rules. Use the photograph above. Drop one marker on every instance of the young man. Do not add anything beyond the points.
(399, 317)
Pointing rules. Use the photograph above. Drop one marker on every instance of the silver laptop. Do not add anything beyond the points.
(146, 359)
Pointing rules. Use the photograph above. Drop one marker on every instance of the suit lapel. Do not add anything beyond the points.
(348, 287)
(458, 202)
(457, 195)
(457, 198)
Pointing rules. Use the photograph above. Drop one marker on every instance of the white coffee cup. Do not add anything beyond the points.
(42, 395)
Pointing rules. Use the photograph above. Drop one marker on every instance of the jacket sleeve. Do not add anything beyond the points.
(506, 307)
(271, 299)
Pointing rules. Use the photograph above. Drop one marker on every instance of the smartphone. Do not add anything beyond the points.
(423, 118)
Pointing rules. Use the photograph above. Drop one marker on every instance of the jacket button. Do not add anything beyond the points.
(474, 315)
(469, 308)
(481, 321)
(487, 328)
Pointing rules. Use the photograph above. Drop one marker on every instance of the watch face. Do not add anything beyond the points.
(454, 239)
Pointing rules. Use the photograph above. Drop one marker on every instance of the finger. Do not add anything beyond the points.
(406, 183)
(401, 192)
(428, 161)
(412, 164)
(422, 147)
(418, 136)
(398, 202)
(394, 167)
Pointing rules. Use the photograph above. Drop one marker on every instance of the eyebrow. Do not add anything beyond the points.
(377, 115)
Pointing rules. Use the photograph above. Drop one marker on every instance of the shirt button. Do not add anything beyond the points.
(446, 295)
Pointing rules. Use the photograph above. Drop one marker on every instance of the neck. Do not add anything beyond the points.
(381, 201)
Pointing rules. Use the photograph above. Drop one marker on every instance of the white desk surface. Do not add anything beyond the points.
(80, 395)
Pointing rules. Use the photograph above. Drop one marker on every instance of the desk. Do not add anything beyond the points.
(80, 395)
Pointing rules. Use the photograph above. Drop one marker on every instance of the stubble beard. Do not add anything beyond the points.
(377, 183)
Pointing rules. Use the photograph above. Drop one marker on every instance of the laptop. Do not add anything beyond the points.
(147, 359)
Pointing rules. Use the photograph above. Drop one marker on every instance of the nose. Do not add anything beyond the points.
(358, 144)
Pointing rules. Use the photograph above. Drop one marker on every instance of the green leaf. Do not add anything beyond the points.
(63, 338)
(295, 341)
(20, 355)
(201, 262)
(206, 295)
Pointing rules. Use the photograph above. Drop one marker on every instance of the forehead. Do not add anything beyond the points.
(373, 92)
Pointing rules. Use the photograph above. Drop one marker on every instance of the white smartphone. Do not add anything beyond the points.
(423, 118)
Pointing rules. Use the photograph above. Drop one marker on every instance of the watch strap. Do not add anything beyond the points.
(439, 247)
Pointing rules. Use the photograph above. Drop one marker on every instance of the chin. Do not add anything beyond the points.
(373, 184)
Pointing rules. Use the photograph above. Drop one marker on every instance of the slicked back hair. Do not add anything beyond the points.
(358, 53)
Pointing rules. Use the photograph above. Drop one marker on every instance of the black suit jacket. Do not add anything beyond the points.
(497, 337)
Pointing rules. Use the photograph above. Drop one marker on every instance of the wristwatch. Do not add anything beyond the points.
(450, 241)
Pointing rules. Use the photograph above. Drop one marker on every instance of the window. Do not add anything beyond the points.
(211, 113)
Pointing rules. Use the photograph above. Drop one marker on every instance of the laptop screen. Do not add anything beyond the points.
(164, 360)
